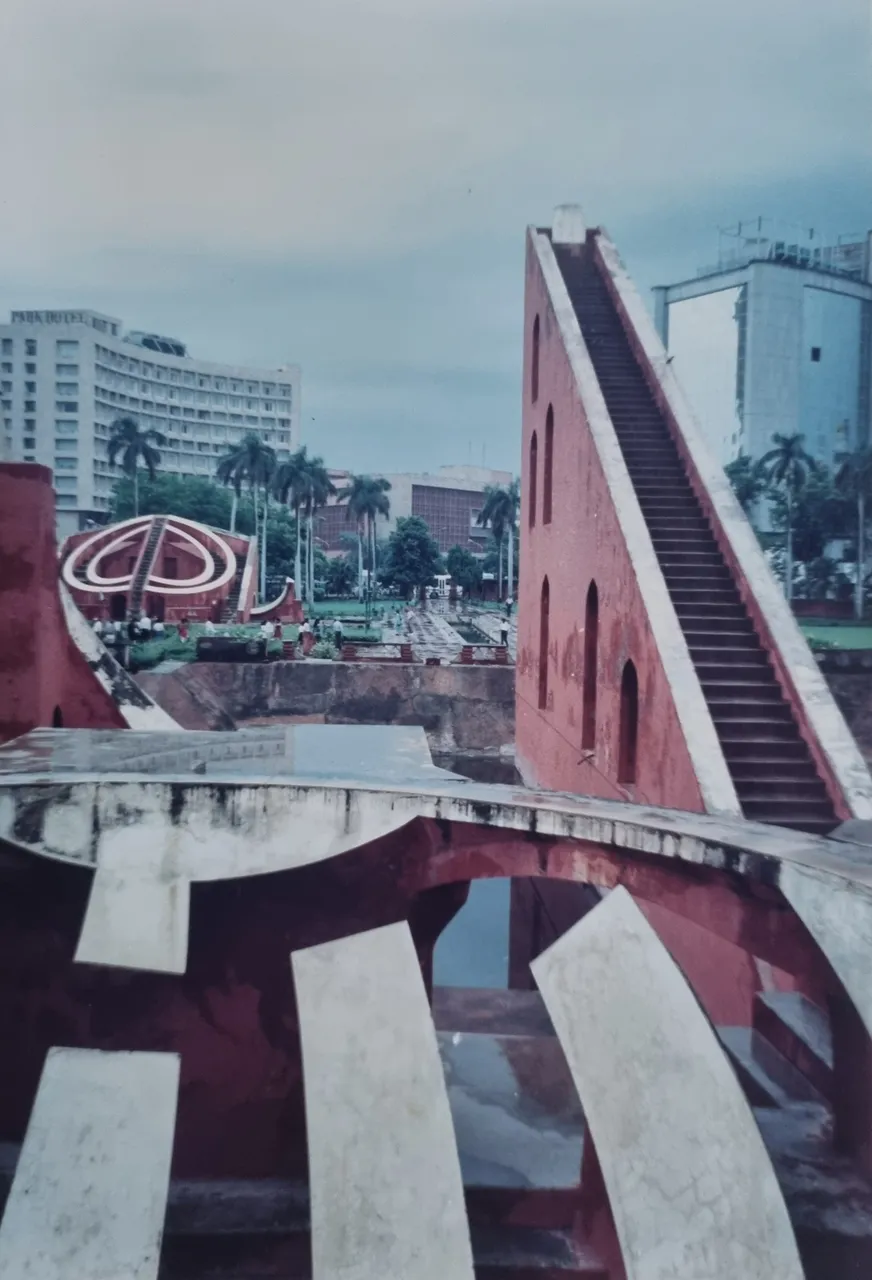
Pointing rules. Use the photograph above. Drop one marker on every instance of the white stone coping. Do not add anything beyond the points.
(139, 711)
(704, 747)
(821, 720)
(690, 1184)
(385, 1185)
(89, 1194)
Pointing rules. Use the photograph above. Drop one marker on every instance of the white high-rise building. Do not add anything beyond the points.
(776, 337)
(66, 375)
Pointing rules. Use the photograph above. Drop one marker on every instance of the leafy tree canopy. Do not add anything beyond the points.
(465, 570)
(413, 558)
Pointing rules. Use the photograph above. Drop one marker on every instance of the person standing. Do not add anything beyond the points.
(509, 603)
(504, 632)
(98, 627)
(337, 633)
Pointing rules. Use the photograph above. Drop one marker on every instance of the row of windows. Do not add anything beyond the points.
(629, 703)
(184, 396)
(190, 378)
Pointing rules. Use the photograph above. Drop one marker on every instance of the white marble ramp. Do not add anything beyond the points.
(90, 1189)
(384, 1174)
(690, 1184)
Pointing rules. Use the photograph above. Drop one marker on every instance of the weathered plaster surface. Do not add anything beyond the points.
(384, 1175)
(690, 1185)
(598, 532)
(89, 1194)
(818, 715)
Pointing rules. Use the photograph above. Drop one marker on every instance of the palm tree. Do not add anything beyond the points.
(252, 462)
(291, 485)
(787, 466)
(320, 488)
(230, 470)
(854, 480)
(500, 511)
(747, 481)
(135, 447)
(367, 498)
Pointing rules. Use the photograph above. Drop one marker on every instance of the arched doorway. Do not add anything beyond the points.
(591, 644)
(544, 635)
(534, 480)
(629, 724)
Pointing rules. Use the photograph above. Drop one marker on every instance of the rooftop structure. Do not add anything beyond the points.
(776, 337)
(66, 375)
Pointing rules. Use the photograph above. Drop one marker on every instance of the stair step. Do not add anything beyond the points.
(518, 1253)
(800, 1030)
(748, 771)
(766, 1077)
(772, 710)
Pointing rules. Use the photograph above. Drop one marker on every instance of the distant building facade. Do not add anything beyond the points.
(449, 501)
(776, 337)
(66, 375)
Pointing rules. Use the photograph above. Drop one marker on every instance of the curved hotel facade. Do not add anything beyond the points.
(66, 375)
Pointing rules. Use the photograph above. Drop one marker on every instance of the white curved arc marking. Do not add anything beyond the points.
(125, 535)
(384, 1175)
(89, 1195)
(689, 1180)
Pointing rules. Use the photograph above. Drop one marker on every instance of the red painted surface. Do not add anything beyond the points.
(172, 559)
(42, 673)
(583, 543)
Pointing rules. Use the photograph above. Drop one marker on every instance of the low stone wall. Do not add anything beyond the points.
(463, 709)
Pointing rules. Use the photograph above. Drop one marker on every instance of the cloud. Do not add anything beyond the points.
(347, 183)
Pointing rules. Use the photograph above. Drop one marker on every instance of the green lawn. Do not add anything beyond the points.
(844, 635)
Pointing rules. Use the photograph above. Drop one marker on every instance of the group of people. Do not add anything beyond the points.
(135, 629)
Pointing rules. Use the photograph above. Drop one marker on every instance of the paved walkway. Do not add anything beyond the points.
(489, 622)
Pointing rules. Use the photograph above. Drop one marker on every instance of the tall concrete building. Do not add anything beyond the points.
(66, 375)
(775, 337)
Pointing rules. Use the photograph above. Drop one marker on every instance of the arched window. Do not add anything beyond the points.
(534, 479)
(544, 626)
(57, 718)
(629, 724)
(548, 469)
(534, 363)
(591, 638)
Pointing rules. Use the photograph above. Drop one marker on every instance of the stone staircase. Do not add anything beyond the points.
(146, 562)
(772, 769)
(231, 604)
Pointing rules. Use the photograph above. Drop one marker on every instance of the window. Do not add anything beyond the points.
(534, 479)
(7, 346)
(65, 499)
(65, 445)
(29, 442)
(65, 484)
(57, 719)
(629, 724)
(6, 388)
(66, 426)
(284, 389)
(66, 371)
(66, 388)
(30, 406)
(816, 355)
(534, 363)
(30, 424)
(30, 346)
(548, 477)
(65, 348)
(544, 628)
(591, 640)
(30, 368)
(30, 388)
(5, 404)
(65, 464)
(268, 407)
(65, 406)
(6, 366)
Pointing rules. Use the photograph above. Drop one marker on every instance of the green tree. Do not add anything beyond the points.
(319, 489)
(500, 513)
(134, 447)
(340, 576)
(786, 469)
(367, 499)
(748, 481)
(818, 512)
(465, 570)
(291, 485)
(413, 558)
(854, 483)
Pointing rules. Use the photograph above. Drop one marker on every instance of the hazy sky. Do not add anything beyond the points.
(346, 184)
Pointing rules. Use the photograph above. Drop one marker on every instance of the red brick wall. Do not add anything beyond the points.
(583, 542)
(41, 669)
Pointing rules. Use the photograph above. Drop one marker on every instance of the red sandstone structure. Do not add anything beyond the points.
(229, 1057)
(170, 568)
